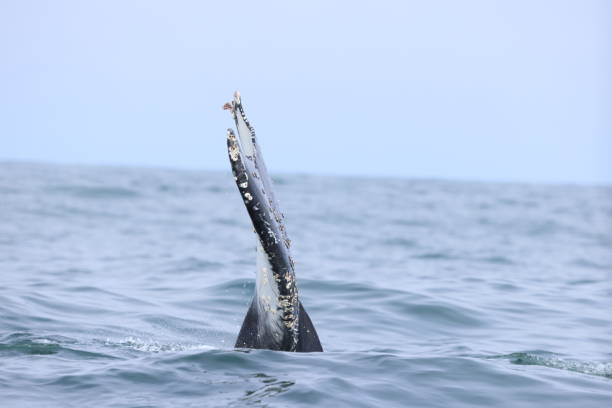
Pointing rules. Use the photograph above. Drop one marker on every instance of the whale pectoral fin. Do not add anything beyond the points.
(271, 321)
(308, 340)
(248, 336)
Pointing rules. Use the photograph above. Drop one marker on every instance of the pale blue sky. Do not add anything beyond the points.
(485, 90)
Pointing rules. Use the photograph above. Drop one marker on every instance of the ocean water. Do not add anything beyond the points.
(126, 287)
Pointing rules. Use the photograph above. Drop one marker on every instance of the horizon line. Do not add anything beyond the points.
(188, 168)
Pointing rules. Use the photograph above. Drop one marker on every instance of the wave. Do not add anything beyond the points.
(552, 360)
(23, 343)
(94, 192)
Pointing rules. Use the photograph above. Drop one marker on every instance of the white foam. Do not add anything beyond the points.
(154, 346)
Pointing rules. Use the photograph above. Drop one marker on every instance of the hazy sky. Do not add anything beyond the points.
(491, 90)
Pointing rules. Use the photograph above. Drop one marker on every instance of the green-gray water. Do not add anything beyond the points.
(123, 287)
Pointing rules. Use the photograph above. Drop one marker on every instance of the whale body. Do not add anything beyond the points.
(275, 319)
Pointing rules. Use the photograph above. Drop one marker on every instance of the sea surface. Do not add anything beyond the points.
(126, 287)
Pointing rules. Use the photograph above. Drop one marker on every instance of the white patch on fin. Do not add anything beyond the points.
(266, 291)
(245, 135)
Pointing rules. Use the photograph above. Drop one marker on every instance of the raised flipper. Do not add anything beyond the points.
(276, 319)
